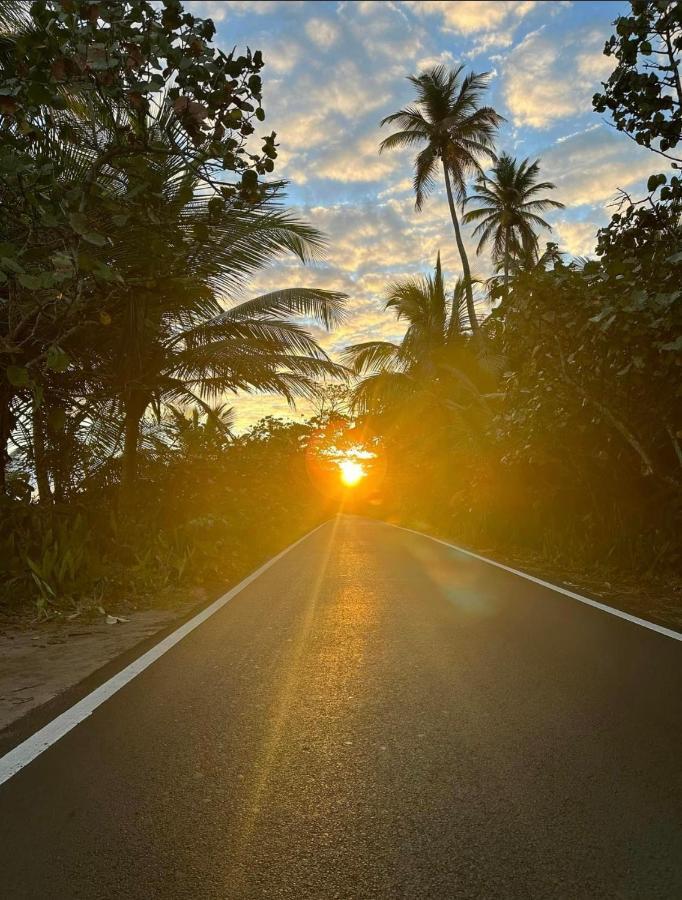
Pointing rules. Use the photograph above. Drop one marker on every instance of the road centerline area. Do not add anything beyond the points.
(375, 716)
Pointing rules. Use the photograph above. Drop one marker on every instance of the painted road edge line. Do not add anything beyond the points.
(24, 753)
(612, 610)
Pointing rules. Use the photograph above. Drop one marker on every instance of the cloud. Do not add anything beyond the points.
(579, 238)
(218, 9)
(249, 408)
(595, 65)
(328, 124)
(281, 56)
(357, 160)
(322, 32)
(546, 79)
(259, 7)
(333, 70)
(588, 166)
(383, 30)
(490, 41)
(475, 15)
(445, 58)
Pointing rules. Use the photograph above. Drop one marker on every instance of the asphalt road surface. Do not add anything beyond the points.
(376, 716)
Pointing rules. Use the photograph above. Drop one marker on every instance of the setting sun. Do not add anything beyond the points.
(351, 471)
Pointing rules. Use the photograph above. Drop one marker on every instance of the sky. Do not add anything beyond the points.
(335, 69)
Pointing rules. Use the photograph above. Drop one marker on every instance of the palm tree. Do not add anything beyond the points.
(508, 211)
(456, 132)
(176, 257)
(175, 342)
(436, 364)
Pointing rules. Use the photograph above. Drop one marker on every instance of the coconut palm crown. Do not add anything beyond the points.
(508, 211)
(437, 362)
(454, 131)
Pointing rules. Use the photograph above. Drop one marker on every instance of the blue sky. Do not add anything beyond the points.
(334, 69)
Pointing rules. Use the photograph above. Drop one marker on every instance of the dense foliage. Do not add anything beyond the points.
(134, 210)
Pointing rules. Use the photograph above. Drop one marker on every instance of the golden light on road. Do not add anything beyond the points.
(351, 471)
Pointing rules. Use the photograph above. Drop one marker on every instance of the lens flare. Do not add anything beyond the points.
(351, 471)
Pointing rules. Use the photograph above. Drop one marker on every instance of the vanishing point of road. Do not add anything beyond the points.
(376, 715)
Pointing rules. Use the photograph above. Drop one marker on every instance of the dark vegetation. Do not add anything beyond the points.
(135, 208)
(137, 202)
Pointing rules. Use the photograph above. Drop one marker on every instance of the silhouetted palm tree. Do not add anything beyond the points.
(456, 131)
(508, 211)
(437, 364)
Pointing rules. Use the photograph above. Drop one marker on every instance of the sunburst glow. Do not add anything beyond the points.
(351, 471)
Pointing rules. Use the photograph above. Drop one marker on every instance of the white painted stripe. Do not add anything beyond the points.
(28, 750)
(644, 623)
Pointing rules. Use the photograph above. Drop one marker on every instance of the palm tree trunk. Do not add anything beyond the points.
(40, 456)
(6, 425)
(471, 312)
(506, 262)
(134, 411)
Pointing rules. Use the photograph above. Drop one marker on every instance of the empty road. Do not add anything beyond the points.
(375, 716)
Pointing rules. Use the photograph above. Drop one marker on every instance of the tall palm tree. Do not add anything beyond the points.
(455, 131)
(437, 364)
(508, 211)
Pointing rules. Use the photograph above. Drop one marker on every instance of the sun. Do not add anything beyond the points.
(351, 471)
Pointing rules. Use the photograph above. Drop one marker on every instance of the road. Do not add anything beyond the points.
(375, 716)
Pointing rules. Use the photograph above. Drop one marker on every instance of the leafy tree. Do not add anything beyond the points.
(508, 211)
(455, 131)
(644, 91)
(79, 83)
(592, 356)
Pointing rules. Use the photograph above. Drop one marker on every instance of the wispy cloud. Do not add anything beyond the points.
(553, 76)
(475, 16)
(588, 167)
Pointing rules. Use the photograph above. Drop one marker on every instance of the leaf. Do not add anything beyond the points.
(17, 375)
(57, 360)
(78, 222)
(92, 237)
(10, 265)
(49, 220)
(104, 272)
(62, 262)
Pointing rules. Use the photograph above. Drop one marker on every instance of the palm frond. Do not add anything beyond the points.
(373, 356)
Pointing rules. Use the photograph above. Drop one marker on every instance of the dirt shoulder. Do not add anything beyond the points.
(657, 599)
(39, 662)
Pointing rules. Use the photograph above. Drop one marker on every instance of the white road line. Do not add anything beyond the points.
(28, 750)
(652, 626)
